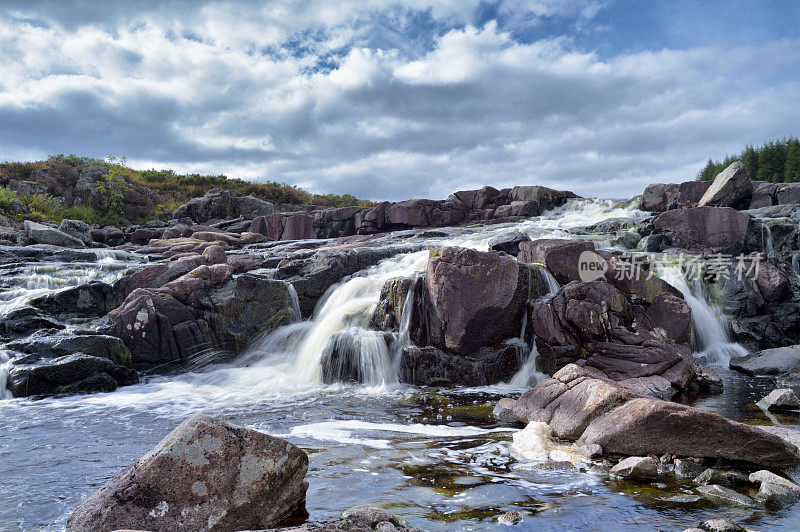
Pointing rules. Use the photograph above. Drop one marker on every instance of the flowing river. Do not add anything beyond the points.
(433, 456)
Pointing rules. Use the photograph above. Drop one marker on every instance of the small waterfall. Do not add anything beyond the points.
(5, 365)
(296, 313)
(710, 338)
(767, 243)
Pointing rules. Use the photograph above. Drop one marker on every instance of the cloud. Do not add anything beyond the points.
(380, 100)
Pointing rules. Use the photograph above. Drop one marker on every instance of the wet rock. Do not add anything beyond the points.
(92, 299)
(534, 200)
(581, 404)
(636, 467)
(354, 355)
(504, 410)
(707, 229)
(592, 451)
(724, 495)
(391, 303)
(26, 320)
(223, 204)
(769, 362)
(687, 468)
(429, 366)
(77, 229)
(721, 525)
(77, 373)
(97, 345)
(207, 474)
(774, 491)
(49, 235)
(596, 325)
(479, 297)
(508, 242)
(780, 400)
(360, 519)
(560, 256)
(731, 188)
(721, 477)
(512, 517)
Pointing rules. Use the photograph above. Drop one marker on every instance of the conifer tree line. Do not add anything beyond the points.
(775, 161)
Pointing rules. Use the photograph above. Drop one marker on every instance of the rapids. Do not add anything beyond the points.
(433, 456)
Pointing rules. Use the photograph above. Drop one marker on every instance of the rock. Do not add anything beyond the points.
(48, 235)
(24, 321)
(110, 236)
(223, 204)
(97, 345)
(157, 275)
(591, 451)
(596, 325)
(721, 525)
(298, 227)
(691, 192)
(512, 517)
(769, 362)
(77, 229)
(215, 255)
(479, 297)
(774, 491)
(731, 188)
(772, 282)
(92, 299)
(350, 356)
(660, 197)
(360, 519)
(707, 229)
(504, 411)
(534, 200)
(26, 188)
(687, 468)
(429, 366)
(77, 373)
(508, 242)
(724, 495)
(720, 477)
(143, 235)
(207, 474)
(780, 400)
(560, 256)
(636, 467)
(581, 404)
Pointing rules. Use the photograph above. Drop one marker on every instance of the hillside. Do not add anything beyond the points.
(108, 192)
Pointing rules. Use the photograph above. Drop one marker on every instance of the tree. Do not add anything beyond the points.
(750, 160)
(791, 172)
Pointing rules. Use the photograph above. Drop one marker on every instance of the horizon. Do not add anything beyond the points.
(391, 101)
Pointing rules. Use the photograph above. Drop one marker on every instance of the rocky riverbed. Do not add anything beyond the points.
(503, 357)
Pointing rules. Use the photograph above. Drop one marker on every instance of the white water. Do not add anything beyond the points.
(5, 365)
(710, 338)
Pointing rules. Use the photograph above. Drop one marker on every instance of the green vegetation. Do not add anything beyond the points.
(121, 194)
(775, 161)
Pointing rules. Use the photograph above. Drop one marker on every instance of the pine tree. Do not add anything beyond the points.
(791, 172)
(769, 165)
(750, 160)
(709, 172)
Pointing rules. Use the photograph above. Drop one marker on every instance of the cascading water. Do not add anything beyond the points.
(709, 325)
(767, 243)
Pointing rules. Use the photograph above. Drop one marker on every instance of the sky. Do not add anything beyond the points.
(394, 100)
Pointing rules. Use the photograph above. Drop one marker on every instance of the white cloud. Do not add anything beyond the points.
(234, 87)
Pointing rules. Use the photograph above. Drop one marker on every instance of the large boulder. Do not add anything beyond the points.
(206, 475)
(92, 299)
(581, 404)
(660, 197)
(707, 229)
(479, 297)
(77, 229)
(223, 204)
(597, 325)
(560, 256)
(534, 200)
(49, 235)
(769, 362)
(335, 223)
(731, 188)
(77, 373)
(52, 346)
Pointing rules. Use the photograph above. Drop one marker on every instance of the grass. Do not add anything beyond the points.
(129, 195)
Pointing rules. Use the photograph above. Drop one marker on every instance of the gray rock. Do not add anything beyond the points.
(207, 474)
(636, 467)
(508, 242)
(725, 495)
(780, 400)
(77, 229)
(721, 525)
(512, 517)
(429, 366)
(223, 204)
(78, 373)
(769, 362)
(98, 345)
(92, 299)
(720, 477)
(707, 229)
(775, 491)
(363, 518)
(660, 197)
(48, 235)
(687, 468)
(731, 188)
(504, 411)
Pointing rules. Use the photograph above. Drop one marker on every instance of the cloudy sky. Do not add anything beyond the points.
(392, 100)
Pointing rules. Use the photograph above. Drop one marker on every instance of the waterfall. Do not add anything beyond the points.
(766, 240)
(710, 338)
(528, 371)
(5, 365)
